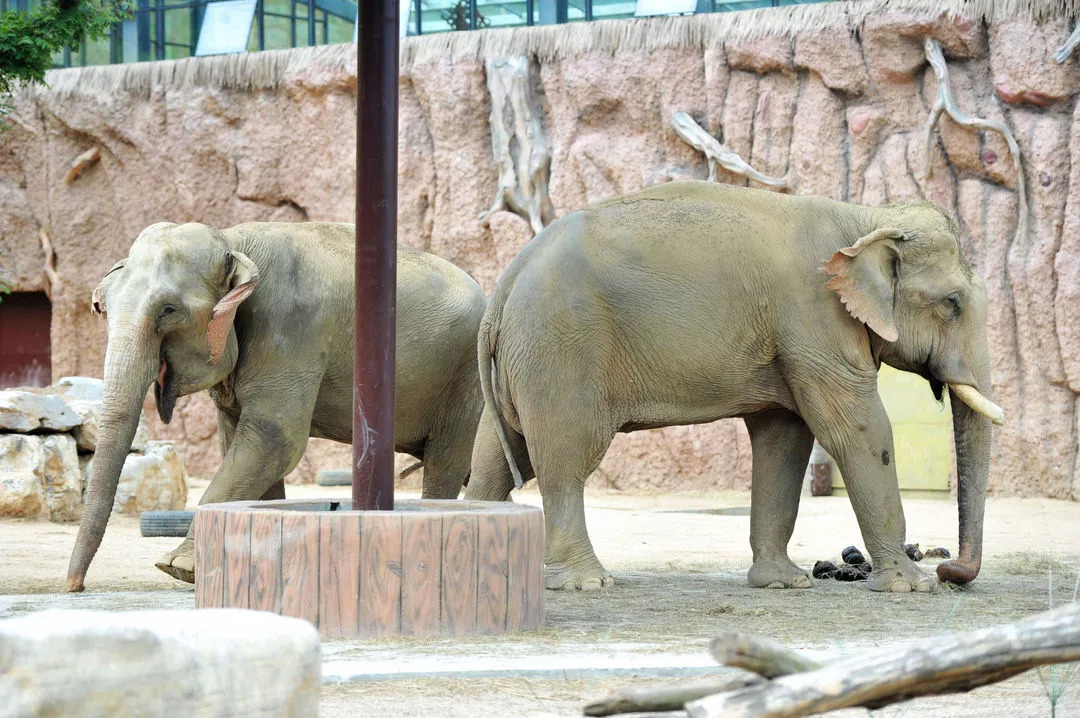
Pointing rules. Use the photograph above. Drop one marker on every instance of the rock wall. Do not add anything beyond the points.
(839, 111)
(48, 440)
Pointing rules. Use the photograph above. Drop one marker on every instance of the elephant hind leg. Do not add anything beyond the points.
(781, 443)
(490, 478)
(447, 456)
(565, 453)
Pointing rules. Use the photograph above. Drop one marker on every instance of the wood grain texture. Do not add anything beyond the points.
(339, 573)
(209, 558)
(380, 573)
(492, 571)
(459, 574)
(237, 558)
(517, 572)
(300, 565)
(265, 579)
(534, 614)
(421, 578)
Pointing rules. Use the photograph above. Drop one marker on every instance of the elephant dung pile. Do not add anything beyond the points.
(47, 442)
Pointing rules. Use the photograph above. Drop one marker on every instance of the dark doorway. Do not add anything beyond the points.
(25, 349)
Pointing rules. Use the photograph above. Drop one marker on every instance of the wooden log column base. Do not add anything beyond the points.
(427, 568)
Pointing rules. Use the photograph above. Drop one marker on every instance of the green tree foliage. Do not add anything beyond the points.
(28, 40)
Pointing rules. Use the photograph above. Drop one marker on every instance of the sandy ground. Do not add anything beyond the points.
(680, 563)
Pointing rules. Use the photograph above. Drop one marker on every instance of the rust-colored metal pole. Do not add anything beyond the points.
(376, 253)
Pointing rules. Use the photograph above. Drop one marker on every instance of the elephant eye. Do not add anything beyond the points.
(167, 310)
(953, 303)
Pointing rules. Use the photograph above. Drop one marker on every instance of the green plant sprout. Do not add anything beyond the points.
(1062, 675)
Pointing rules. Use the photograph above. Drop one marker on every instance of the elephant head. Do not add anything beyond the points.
(170, 307)
(907, 279)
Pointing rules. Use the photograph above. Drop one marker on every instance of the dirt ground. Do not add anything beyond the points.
(680, 564)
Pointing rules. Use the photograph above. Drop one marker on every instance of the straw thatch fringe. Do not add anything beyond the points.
(266, 70)
(246, 71)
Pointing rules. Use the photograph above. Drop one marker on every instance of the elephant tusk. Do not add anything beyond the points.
(973, 398)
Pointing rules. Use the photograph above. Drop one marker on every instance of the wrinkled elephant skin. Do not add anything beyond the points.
(695, 301)
(262, 316)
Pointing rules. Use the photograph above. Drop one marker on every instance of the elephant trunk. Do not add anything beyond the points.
(130, 367)
(972, 414)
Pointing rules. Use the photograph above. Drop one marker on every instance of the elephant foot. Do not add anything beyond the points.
(562, 577)
(180, 562)
(899, 576)
(778, 573)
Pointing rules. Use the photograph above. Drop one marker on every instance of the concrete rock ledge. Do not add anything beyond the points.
(47, 441)
(226, 662)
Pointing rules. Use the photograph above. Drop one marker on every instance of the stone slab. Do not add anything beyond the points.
(158, 663)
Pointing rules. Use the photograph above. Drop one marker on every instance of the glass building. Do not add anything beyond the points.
(172, 29)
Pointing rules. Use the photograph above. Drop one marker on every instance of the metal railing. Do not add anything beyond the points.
(169, 29)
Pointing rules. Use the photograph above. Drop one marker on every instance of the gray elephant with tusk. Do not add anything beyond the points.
(690, 302)
(261, 315)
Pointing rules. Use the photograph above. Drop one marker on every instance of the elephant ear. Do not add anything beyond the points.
(243, 277)
(97, 299)
(864, 275)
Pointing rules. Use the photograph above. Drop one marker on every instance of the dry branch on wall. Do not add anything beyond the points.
(518, 144)
(933, 666)
(81, 162)
(718, 153)
(945, 102)
(1062, 54)
(53, 283)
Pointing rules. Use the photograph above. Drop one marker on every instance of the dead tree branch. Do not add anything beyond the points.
(718, 153)
(945, 102)
(761, 655)
(1062, 54)
(740, 650)
(53, 283)
(81, 162)
(937, 665)
(518, 143)
(668, 697)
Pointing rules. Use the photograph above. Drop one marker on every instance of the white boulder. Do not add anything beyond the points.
(80, 388)
(25, 411)
(40, 477)
(154, 480)
(211, 662)
(86, 433)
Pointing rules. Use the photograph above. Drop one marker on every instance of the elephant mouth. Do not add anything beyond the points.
(165, 391)
(966, 393)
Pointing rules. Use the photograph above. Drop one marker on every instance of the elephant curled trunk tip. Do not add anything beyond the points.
(959, 571)
(974, 398)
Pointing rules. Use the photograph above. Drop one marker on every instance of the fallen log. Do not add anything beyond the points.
(668, 697)
(763, 656)
(941, 664)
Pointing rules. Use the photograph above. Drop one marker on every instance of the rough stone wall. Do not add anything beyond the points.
(842, 114)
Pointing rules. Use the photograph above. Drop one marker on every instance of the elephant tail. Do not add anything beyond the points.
(485, 347)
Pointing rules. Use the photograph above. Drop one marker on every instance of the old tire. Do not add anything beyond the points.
(165, 523)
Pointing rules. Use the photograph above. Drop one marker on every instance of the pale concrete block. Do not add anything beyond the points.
(150, 664)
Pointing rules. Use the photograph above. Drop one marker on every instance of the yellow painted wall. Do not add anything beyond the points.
(922, 432)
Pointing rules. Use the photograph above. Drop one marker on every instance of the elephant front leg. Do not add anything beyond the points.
(858, 434)
(261, 452)
(781, 444)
